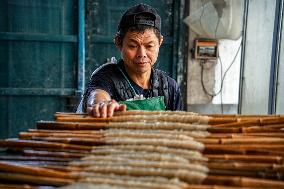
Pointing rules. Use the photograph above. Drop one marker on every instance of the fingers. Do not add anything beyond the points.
(122, 107)
(94, 110)
(105, 109)
(112, 106)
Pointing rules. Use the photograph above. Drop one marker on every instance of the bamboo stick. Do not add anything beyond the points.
(241, 115)
(52, 125)
(32, 158)
(94, 133)
(246, 166)
(165, 113)
(40, 144)
(216, 121)
(239, 135)
(106, 133)
(241, 147)
(243, 181)
(29, 170)
(239, 124)
(33, 179)
(195, 186)
(241, 173)
(261, 129)
(85, 142)
(18, 186)
(271, 120)
(251, 129)
(254, 140)
(224, 130)
(138, 118)
(63, 156)
(120, 125)
(242, 140)
(245, 158)
(36, 163)
(29, 135)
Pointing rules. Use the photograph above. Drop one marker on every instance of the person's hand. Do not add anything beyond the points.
(105, 109)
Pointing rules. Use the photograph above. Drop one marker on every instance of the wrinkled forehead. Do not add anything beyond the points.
(146, 35)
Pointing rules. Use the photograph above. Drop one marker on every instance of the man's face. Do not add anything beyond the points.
(140, 51)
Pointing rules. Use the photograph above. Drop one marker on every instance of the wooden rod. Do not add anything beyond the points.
(33, 179)
(52, 125)
(17, 186)
(72, 140)
(29, 170)
(63, 156)
(245, 158)
(214, 186)
(239, 124)
(33, 158)
(246, 166)
(243, 181)
(40, 144)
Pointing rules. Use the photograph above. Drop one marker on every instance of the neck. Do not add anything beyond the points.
(143, 79)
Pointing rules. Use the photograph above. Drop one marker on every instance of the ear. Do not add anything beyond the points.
(118, 42)
(162, 39)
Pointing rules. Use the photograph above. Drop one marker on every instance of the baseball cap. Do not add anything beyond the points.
(140, 14)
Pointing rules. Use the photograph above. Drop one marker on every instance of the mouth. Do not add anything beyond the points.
(142, 63)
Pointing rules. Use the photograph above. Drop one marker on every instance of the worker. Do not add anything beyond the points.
(133, 82)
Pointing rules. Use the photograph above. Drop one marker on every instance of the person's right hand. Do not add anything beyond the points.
(105, 109)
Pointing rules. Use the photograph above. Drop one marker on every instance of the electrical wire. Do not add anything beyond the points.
(217, 26)
(221, 94)
(201, 15)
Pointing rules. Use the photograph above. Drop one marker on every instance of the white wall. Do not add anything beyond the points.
(256, 70)
(280, 87)
(198, 101)
(230, 56)
(257, 60)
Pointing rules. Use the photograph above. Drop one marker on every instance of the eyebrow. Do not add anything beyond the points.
(132, 40)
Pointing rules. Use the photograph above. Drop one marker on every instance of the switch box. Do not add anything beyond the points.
(205, 49)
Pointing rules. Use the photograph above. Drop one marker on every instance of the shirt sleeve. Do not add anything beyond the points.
(175, 97)
(99, 80)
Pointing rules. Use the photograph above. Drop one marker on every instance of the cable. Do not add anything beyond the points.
(221, 94)
(201, 15)
(217, 26)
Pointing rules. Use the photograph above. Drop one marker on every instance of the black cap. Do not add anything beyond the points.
(140, 14)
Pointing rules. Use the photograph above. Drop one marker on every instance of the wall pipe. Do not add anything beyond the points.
(276, 43)
(242, 69)
(81, 49)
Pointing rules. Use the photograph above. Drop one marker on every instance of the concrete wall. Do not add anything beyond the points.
(257, 60)
(256, 69)
(227, 100)
(280, 82)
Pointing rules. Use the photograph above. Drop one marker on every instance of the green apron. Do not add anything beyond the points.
(151, 104)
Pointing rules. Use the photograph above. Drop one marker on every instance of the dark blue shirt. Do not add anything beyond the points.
(109, 78)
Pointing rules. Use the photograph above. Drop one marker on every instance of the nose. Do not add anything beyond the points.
(141, 52)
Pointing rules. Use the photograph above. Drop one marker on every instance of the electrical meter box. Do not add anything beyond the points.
(205, 49)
